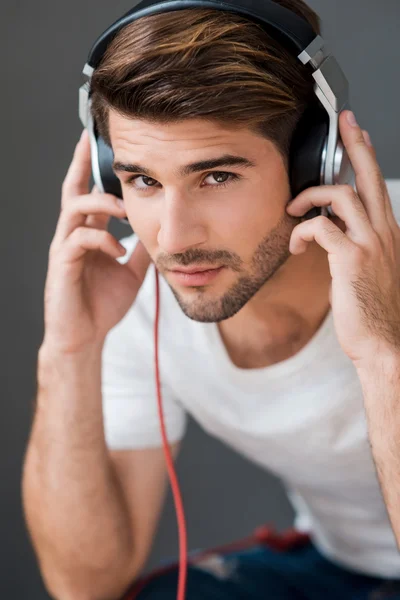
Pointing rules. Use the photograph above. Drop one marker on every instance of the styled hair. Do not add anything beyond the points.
(205, 63)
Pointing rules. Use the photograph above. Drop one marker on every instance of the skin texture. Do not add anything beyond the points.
(244, 226)
(358, 270)
(364, 255)
(364, 261)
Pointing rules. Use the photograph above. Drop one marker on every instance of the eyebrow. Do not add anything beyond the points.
(227, 160)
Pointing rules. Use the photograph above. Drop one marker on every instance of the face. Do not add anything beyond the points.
(226, 218)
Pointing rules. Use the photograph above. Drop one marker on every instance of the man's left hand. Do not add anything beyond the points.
(363, 246)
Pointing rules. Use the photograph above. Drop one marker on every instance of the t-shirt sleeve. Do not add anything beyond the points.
(129, 394)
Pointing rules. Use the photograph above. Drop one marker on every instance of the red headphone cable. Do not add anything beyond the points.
(180, 514)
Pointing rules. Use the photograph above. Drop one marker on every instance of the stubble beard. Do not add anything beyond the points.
(269, 256)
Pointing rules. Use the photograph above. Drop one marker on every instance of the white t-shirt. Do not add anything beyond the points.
(303, 418)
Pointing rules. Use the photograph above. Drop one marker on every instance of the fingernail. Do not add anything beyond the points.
(120, 203)
(352, 119)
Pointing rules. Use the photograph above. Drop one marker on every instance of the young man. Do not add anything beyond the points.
(279, 336)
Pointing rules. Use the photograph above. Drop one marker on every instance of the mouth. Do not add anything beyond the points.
(191, 270)
(197, 276)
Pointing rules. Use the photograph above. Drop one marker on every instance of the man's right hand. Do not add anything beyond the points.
(87, 290)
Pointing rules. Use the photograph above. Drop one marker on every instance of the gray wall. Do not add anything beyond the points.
(44, 46)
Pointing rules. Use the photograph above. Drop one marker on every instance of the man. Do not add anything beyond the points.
(285, 345)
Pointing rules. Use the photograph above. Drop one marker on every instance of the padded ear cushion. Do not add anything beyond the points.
(308, 142)
(110, 181)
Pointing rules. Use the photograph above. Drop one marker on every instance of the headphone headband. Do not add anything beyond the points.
(318, 156)
(296, 32)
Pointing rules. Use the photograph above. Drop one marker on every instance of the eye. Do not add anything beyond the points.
(149, 182)
(226, 178)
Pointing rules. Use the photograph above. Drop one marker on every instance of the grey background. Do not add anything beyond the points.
(44, 46)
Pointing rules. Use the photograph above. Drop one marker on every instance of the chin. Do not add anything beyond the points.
(215, 303)
(204, 314)
(205, 306)
(199, 304)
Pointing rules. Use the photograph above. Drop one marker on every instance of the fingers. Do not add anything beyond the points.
(77, 210)
(83, 239)
(76, 181)
(325, 233)
(84, 216)
(98, 221)
(370, 182)
(345, 203)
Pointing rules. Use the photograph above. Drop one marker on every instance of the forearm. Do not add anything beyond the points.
(73, 506)
(380, 382)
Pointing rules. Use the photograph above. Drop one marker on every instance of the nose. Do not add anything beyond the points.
(180, 224)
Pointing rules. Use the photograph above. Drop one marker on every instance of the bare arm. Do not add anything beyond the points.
(91, 527)
(91, 514)
(380, 382)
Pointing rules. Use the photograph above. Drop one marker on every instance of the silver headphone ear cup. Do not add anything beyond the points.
(97, 147)
(343, 173)
(343, 169)
(94, 153)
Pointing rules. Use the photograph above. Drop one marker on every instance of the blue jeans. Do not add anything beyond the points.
(263, 573)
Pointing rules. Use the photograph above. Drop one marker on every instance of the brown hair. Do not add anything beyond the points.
(205, 63)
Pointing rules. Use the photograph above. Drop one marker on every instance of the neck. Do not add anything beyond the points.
(285, 313)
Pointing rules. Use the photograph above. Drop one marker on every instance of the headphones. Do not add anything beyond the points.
(317, 154)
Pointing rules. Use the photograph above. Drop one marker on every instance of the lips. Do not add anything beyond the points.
(190, 278)
(193, 270)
